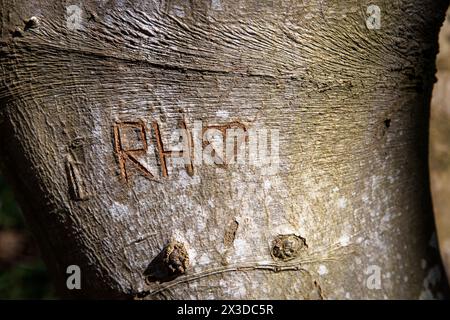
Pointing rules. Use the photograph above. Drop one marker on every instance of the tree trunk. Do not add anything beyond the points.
(91, 95)
(440, 144)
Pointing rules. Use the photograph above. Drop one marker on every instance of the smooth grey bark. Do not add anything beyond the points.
(351, 196)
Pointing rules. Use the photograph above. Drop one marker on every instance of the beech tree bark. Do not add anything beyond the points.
(90, 97)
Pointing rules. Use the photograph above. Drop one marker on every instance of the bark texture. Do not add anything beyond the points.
(351, 105)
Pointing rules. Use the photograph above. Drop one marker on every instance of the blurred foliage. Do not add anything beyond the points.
(22, 278)
(10, 215)
(26, 281)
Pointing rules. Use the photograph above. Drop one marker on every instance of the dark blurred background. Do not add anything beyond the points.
(23, 275)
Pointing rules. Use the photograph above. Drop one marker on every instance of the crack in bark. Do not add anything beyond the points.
(251, 266)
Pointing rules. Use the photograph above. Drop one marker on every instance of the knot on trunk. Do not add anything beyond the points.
(170, 263)
(287, 247)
